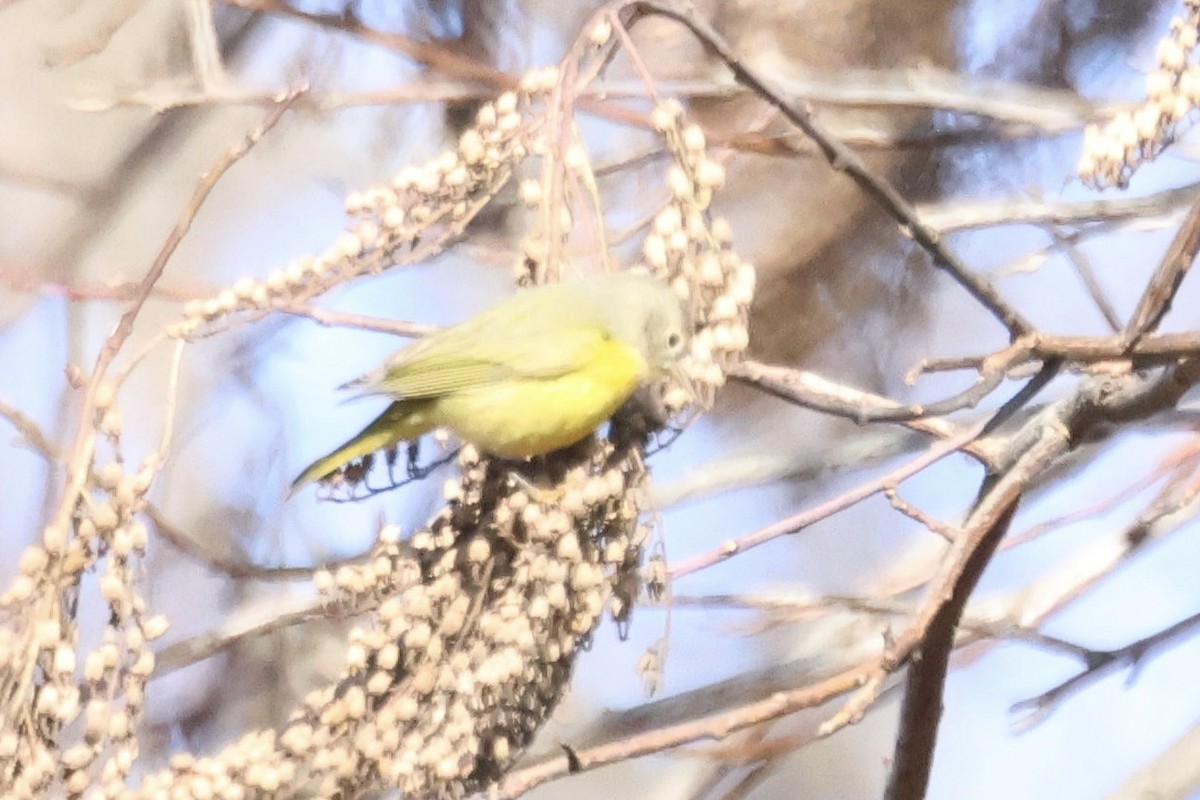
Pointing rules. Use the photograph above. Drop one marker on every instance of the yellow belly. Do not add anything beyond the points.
(527, 417)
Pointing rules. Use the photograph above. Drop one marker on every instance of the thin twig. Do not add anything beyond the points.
(842, 159)
(1049, 437)
(1098, 663)
(804, 519)
(1083, 268)
(809, 390)
(924, 685)
(30, 431)
(1156, 301)
(960, 216)
(266, 617)
(77, 467)
(434, 56)
(342, 319)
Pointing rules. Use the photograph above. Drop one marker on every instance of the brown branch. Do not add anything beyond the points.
(916, 514)
(1156, 301)
(264, 618)
(713, 726)
(1082, 265)
(842, 159)
(809, 390)
(98, 292)
(434, 56)
(804, 519)
(1098, 663)
(234, 568)
(342, 319)
(1149, 350)
(960, 216)
(1183, 459)
(924, 685)
(1045, 440)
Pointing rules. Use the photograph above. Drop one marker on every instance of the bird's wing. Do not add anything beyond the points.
(455, 360)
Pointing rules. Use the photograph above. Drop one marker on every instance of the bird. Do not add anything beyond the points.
(533, 374)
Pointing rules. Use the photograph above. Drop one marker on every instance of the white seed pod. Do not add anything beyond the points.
(1171, 55)
(112, 587)
(532, 515)
(347, 246)
(709, 271)
(654, 250)
(457, 178)
(109, 475)
(539, 608)
(393, 218)
(479, 550)
(155, 626)
(356, 702)
(508, 124)
(1185, 32)
(407, 708)
(452, 490)
(485, 118)
(600, 33)
(418, 636)
(666, 114)
(297, 739)
(573, 502)
(64, 661)
(506, 103)
(119, 726)
(243, 287)
(227, 300)
(471, 147)
(389, 534)
(357, 202)
(724, 308)
(556, 596)
(143, 667)
(710, 174)
(679, 183)
(33, 562)
(549, 77)
(530, 192)
(112, 423)
(722, 231)
(576, 158)
(676, 398)
(323, 581)
(568, 547)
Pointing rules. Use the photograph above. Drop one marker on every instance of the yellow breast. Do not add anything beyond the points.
(523, 417)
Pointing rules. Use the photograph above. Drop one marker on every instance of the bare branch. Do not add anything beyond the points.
(843, 159)
(1156, 301)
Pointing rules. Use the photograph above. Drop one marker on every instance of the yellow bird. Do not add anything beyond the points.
(536, 373)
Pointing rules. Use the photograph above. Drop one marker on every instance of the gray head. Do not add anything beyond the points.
(646, 313)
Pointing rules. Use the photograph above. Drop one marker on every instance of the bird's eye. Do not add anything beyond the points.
(673, 340)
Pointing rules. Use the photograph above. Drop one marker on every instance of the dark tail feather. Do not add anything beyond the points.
(401, 421)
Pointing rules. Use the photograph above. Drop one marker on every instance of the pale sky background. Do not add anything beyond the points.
(244, 432)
